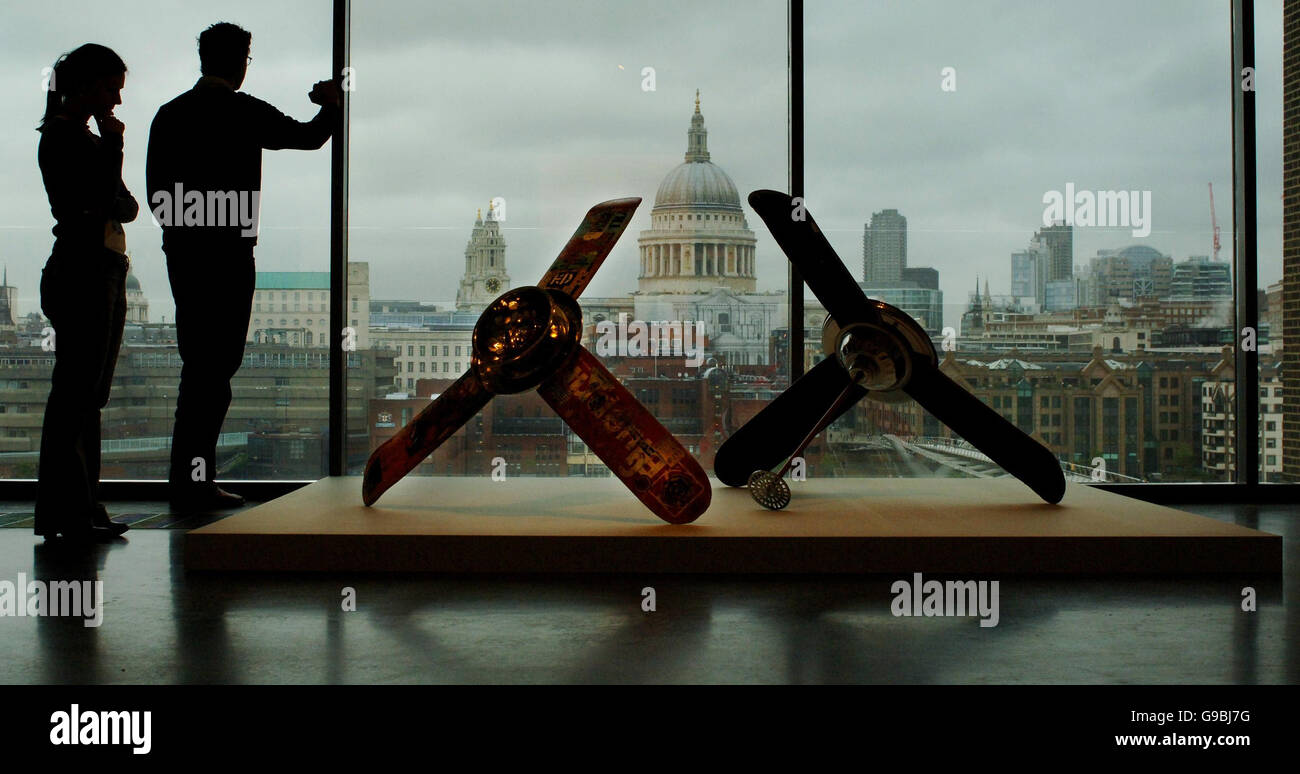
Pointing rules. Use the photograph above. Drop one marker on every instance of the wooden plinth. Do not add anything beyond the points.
(580, 525)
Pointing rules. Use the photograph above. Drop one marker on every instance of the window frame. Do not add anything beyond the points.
(1246, 486)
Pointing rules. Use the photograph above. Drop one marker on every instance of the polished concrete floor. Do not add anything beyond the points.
(162, 625)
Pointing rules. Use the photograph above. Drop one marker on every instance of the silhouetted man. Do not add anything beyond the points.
(204, 175)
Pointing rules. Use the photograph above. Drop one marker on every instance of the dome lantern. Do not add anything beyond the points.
(697, 137)
(697, 182)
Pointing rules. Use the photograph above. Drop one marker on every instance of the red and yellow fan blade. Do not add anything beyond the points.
(431, 427)
(628, 439)
(589, 245)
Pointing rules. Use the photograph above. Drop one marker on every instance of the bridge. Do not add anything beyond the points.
(957, 454)
(134, 449)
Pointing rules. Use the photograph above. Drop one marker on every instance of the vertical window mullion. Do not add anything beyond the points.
(795, 309)
(338, 439)
(1244, 254)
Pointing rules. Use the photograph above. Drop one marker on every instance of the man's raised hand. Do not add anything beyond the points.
(326, 93)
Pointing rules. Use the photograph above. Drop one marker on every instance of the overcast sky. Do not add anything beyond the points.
(541, 103)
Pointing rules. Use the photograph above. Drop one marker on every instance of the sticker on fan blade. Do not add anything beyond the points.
(628, 439)
(589, 246)
(437, 422)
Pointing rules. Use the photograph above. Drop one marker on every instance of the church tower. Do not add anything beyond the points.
(485, 265)
(8, 297)
(972, 321)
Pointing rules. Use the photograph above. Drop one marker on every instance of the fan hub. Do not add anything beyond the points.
(523, 337)
(879, 355)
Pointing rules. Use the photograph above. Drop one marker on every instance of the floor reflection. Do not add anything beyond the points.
(165, 625)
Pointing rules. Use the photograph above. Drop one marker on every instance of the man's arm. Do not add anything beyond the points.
(157, 164)
(276, 131)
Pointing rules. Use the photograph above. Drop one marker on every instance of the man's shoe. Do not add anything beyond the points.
(99, 518)
(205, 499)
(228, 499)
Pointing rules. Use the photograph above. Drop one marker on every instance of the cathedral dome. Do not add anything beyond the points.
(698, 242)
(697, 182)
(131, 282)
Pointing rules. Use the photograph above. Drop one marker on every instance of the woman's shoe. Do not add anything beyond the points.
(44, 526)
(99, 520)
(51, 522)
(86, 535)
(79, 530)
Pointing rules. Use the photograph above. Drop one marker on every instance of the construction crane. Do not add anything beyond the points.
(1214, 221)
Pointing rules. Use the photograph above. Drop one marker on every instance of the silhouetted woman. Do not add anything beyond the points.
(83, 287)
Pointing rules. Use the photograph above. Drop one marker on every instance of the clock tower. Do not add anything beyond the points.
(485, 265)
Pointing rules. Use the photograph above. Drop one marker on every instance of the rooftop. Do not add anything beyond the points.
(293, 280)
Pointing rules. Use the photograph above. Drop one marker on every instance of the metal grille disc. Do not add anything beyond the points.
(769, 490)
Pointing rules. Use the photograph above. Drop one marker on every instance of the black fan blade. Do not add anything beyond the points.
(990, 432)
(816, 260)
(765, 441)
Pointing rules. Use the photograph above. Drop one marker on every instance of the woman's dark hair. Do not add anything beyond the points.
(77, 71)
(223, 49)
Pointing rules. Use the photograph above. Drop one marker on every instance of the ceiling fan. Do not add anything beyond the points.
(529, 337)
(871, 348)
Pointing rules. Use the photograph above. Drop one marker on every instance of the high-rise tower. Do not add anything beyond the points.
(1059, 241)
(884, 248)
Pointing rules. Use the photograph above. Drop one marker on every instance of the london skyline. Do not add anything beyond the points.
(554, 124)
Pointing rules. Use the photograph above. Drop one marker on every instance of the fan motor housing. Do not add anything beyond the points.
(881, 354)
(523, 337)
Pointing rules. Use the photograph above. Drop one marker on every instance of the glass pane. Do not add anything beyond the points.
(480, 139)
(276, 423)
(1268, 118)
(1033, 186)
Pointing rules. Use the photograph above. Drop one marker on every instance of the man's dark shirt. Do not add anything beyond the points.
(83, 178)
(210, 139)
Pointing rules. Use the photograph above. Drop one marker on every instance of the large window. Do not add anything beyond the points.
(1033, 183)
(1047, 190)
(279, 417)
(481, 136)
